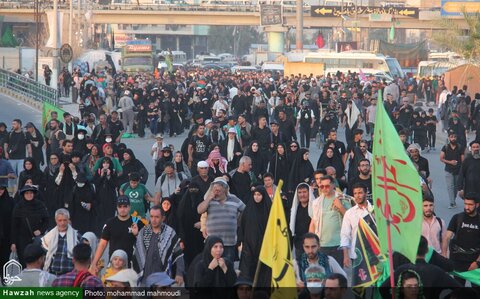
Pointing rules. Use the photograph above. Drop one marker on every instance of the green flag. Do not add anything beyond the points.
(396, 189)
(47, 109)
(472, 276)
(391, 34)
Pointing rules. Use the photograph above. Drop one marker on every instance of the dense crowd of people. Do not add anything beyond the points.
(81, 213)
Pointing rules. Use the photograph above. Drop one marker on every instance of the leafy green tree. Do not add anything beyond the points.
(222, 38)
(465, 42)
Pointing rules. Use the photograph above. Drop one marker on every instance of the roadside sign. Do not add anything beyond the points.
(66, 53)
(270, 15)
(348, 11)
(455, 8)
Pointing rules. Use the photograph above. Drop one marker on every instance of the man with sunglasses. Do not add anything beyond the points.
(328, 211)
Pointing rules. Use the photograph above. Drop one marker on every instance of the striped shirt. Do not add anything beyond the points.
(222, 219)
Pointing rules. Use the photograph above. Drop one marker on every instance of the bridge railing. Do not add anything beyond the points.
(28, 87)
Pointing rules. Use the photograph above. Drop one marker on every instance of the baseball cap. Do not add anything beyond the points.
(123, 200)
(232, 130)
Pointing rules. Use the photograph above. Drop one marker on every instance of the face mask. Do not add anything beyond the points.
(80, 185)
(108, 140)
(81, 137)
(314, 287)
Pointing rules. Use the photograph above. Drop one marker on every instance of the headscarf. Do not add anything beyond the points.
(295, 203)
(92, 241)
(257, 213)
(121, 254)
(215, 155)
(209, 243)
(52, 169)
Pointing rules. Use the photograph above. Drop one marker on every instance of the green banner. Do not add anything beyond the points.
(47, 109)
(396, 190)
(63, 293)
(472, 276)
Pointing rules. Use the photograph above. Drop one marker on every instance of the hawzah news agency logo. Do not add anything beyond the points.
(11, 270)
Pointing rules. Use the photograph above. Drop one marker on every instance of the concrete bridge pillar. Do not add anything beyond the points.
(276, 41)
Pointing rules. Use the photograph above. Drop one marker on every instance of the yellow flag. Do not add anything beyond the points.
(276, 252)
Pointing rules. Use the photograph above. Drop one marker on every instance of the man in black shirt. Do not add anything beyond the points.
(463, 237)
(431, 129)
(364, 177)
(261, 133)
(240, 183)
(116, 127)
(452, 155)
(287, 126)
(119, 232)
(414, 151)
(17, 148)
(198, 148)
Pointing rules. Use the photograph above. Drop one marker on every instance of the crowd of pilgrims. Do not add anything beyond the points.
(244, 131)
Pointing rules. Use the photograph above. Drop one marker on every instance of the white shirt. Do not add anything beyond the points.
(219, 105)
(431, 231)
(348, 234)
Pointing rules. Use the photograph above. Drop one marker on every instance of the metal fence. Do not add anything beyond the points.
(28, 87)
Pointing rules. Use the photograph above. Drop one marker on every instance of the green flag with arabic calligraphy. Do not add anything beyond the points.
(396, 190)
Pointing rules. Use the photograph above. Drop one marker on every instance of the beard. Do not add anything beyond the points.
(476, 155)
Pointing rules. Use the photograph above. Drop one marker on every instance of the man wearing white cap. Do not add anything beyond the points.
(231, 149)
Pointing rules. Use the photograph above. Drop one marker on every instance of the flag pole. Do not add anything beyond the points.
(389, 235)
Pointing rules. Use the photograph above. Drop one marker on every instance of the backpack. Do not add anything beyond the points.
(441, 229)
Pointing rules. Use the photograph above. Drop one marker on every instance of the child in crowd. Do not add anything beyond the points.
(118, 262)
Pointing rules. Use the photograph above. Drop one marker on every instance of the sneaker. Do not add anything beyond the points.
(452, 206)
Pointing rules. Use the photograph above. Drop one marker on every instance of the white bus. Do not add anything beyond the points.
(354, 61)
(432, 68)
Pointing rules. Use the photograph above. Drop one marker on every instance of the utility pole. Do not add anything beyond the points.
(299, 27)
(70, 31)
(37, 36)
(55, 45)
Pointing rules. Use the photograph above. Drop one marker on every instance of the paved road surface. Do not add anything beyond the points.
(10, 109)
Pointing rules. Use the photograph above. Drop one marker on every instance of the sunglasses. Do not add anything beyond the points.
(324, 186)
(293, 146)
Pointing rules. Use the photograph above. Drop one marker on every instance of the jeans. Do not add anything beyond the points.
(17, 165)
(305, 136)
(451, 180)
(153, 125)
